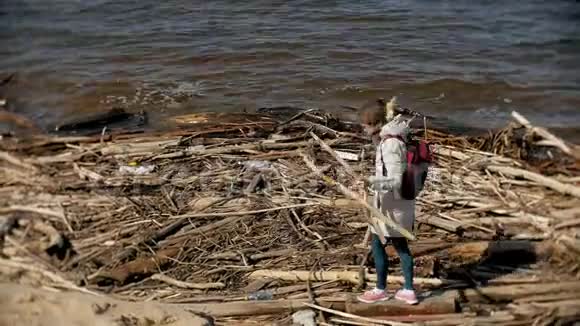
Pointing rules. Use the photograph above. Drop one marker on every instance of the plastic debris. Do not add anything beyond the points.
(347, 156)
(304, 317)
(258, 166)
(261, 295)
(136, 170)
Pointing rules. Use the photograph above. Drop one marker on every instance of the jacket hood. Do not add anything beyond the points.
(395, 127)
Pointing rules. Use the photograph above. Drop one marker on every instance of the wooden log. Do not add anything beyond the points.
(507, 293)
(445, 224)
(551, 183)
(256, 308)
(125, 148)
(444, 304)
(346, 276)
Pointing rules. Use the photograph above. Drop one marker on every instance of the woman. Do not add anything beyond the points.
(390, 164)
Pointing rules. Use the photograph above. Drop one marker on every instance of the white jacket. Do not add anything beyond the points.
(390, 163)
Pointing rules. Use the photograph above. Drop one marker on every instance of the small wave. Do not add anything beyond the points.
(566, 42)
(238, 58)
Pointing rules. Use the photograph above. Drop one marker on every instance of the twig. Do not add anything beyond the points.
(243, 212)
(327, 148)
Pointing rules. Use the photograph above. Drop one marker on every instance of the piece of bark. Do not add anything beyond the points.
(187, 285)
(141, 267)
(346, 276)
(443, 304)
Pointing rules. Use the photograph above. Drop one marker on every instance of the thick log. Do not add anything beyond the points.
(256, 308)
(346, 276)
(444, 304)
(507, 293)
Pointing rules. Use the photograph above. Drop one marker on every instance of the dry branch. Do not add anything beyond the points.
(348, 193)
(566, 189)
(551, 140)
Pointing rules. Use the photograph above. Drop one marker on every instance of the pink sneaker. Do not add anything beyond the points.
(407, 296)
(372, 296)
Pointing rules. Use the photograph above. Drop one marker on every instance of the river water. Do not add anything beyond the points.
(469, 62)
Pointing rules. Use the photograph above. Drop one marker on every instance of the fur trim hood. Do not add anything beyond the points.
(396, 127)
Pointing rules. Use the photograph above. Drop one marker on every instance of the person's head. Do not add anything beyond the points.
(372, 119)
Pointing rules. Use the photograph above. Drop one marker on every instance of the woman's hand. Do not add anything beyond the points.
(381, 184)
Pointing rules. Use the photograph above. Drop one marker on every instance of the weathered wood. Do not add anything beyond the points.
(550, 139)
(551, 183)
(445, 224)
(346, 276)
(444, 304)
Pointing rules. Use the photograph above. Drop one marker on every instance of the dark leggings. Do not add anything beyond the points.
(382, 261)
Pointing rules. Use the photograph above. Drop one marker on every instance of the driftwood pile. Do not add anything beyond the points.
(232, 221)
